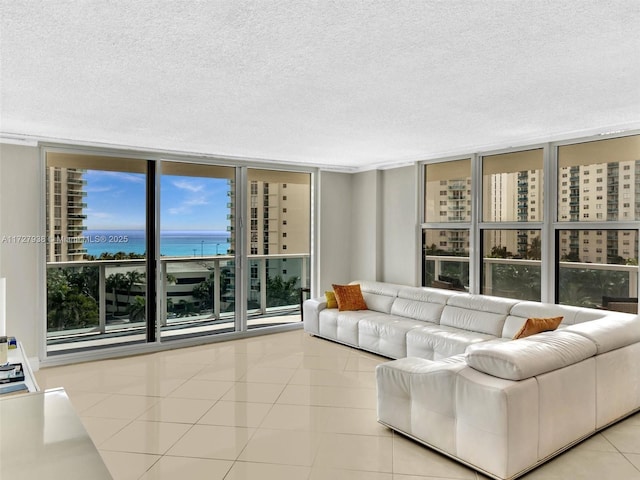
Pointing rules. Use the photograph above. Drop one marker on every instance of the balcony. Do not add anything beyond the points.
(76, 181)
(197, 297)
(580, 284)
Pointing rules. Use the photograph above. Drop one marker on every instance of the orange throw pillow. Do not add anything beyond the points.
(537, 325)
(331, 299)
(349, 297)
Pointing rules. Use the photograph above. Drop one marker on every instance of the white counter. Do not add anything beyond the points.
(42, 437)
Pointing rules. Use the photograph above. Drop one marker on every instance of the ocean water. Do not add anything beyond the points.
(172, 243)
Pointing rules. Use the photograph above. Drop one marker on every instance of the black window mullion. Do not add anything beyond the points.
(151, 251)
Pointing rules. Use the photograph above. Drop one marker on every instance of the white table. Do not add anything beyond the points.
(42, 437)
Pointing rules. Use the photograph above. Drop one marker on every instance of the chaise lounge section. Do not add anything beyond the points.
(463, 387)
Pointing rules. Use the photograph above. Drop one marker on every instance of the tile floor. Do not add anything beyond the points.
(285, 406)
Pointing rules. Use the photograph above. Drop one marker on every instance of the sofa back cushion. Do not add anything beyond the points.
(525, 309)
(530, 356)
(478, 313)
(418, 303)
(615, 330)
(379, 296)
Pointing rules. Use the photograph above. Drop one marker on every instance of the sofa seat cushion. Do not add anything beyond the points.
(342, 326)
(386, 334)
(435, 342)
(530, 356)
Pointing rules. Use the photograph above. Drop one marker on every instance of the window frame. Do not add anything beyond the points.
(549, 226)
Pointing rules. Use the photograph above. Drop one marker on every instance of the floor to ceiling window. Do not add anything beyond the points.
(96, 251)
(143, 251)
(197, 246)
(278, 243)
(512, 214)
(556, 223)
(598, 213)
(446, 224)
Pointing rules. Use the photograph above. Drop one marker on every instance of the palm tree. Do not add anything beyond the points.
(137, 310)
(133, 277)
(282, 292)
(115, 282)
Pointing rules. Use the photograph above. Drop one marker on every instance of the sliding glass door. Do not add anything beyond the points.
(197, 249)
(278, 245)
(96, 247)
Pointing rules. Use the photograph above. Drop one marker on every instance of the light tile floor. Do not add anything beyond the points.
(286, 406)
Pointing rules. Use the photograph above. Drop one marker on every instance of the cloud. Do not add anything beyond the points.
(196, 201)
(97, 189)
(190, 186)
(177, 210)
(122, 176)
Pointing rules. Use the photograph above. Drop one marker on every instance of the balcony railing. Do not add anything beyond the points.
(196, 290)
(615, 280)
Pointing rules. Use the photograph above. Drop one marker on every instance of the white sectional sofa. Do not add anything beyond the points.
(463, 387)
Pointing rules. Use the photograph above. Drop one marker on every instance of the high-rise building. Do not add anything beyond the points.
(599, 192)
(278, 209)
(65, 214)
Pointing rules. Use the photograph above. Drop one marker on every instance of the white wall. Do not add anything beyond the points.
(334, 230)
(365, 226)
(400, 245)
(21, 262)
(368, 227)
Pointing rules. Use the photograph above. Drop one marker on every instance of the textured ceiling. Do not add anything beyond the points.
(343, 84)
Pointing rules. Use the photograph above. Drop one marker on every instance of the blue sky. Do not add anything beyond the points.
(116, 201)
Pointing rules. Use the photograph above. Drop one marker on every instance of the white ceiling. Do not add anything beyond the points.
(352, 84)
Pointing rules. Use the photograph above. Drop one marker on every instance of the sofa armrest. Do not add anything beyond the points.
(530, 356)
(311, 309)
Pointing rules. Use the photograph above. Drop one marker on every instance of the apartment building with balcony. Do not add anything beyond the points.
(65, 215)
(597, 193)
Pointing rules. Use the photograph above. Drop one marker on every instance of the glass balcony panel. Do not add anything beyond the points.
(594, 264)
(445, 259)
(511, 264)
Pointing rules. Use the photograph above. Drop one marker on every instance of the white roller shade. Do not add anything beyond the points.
(456, 170)
(624, 149)
(96, 162)
(512, 162)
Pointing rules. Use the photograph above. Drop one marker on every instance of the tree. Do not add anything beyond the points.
(203, 292)
(138, 309)
(498, 251)
(68, 306)
(116, 282)
(282, 292)
(535, 249)
(133, 277)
